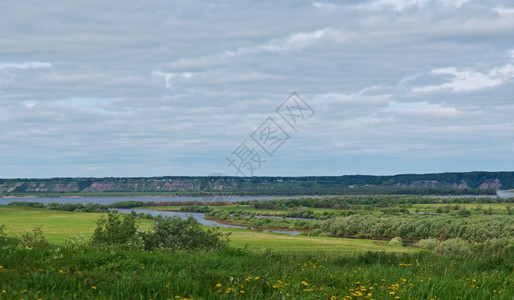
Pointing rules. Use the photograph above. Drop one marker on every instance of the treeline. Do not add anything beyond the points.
(78, 207)
(382, 201)
(472, 229)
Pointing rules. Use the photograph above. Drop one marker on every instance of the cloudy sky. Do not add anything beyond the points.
(154, 88)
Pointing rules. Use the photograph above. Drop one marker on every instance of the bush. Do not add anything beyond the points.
(454, 247)
(114, 231)
(75, 243)
(429, 244)
(397, 241)
(34, 240)
(173, 233)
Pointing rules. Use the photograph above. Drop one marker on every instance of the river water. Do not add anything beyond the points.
(108, 200)
(200, 217)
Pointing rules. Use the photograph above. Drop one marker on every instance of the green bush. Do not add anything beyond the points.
(454, 247)
(397, 241)
(34, 240)
(173, 233)
(429, 244)
(116, 231)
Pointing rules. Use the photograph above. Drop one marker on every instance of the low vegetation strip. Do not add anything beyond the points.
(31, 269)
(472, 229)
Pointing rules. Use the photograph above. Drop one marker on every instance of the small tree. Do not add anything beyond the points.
(173, 233)
(34, 240)
(114, 230)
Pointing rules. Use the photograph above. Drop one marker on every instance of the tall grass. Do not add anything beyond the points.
(78, 271)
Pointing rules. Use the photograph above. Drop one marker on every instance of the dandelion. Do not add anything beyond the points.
(218, 285)
(93, 287)
(241, 292)
(62, 272)
(304, 283)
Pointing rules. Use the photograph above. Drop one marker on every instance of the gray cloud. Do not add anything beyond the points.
(172, 88)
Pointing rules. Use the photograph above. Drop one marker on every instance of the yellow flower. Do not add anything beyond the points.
(241, 292)
(218, 285)
(305, 283)
(62, 272)
(4, 291)
(93, 287)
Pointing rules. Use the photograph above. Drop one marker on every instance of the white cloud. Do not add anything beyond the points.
(401, 5)
(469, 80)
(421, 108)
(25, 65)
(292, 43)
(504, 10)
(323, 5)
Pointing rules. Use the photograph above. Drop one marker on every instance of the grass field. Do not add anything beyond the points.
(259, 265)
(57, 225)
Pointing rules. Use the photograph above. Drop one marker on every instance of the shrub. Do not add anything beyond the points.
(454, 247)
(173, 233)
(115, 231)
(429, 244)
(2, 234)
(34, 240)
(397, 241)
(75, 242)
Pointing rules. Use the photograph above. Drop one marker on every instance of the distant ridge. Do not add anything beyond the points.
(434, 183)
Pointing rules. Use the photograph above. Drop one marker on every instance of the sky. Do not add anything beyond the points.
(255, 88)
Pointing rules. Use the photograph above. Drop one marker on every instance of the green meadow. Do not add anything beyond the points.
(58, 225)
(255, 265)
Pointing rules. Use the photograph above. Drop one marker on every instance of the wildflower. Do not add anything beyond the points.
(218, 285)
(4, 291)
(241, 292)
(1, 267)
(304, 283)
(62, 272)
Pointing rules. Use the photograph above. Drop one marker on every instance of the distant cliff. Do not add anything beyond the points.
(439, 183)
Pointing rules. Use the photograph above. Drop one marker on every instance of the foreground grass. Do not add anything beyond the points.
(88, 273)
